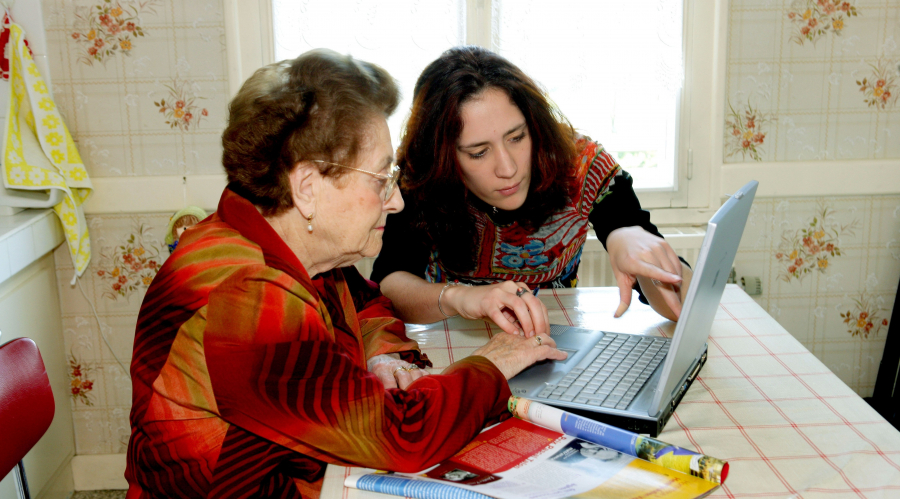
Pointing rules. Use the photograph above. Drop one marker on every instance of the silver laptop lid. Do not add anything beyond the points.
(723, 235)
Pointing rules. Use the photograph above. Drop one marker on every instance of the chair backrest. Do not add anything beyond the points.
(26, 401)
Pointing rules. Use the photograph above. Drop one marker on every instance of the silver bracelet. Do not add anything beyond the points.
(442, 295)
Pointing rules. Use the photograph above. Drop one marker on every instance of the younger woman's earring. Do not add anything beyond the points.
(309, 223)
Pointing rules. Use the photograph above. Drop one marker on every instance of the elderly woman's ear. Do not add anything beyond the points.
(305, 183)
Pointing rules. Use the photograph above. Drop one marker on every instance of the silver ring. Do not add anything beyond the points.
(520, 292)
(410, 368)
(539, 340)
(656, 282)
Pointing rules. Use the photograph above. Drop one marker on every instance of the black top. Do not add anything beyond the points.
(407, 248)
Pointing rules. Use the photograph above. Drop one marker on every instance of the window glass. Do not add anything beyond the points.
(402, 36)
(614, 69)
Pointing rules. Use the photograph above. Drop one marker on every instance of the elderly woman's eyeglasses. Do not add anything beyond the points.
(390, 179)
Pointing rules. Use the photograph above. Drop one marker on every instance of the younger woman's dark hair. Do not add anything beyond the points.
(317, 106)
(432, 179)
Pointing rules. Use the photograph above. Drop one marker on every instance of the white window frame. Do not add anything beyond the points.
(703, 179)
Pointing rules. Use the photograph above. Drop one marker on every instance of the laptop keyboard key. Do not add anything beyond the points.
(572, 391)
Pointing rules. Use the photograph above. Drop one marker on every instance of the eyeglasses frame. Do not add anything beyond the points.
(392, 179)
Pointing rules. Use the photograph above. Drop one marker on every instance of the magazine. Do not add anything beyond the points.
(646, 448)
(519, 459)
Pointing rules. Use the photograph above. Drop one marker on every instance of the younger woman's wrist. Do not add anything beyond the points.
(447, 300)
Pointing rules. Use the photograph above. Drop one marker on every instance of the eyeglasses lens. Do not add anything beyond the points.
(389, 188)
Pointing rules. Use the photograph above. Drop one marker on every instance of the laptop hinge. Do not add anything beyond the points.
(690, 379)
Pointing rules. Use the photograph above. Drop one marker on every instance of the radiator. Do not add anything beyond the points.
(595, 269)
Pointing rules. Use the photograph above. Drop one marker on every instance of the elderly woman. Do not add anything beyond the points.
(260, 353)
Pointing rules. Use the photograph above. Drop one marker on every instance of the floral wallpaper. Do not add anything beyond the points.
(129, 252)
(130, 266)
(142, 85)
(82, 385)
(816, 80)
(816, 19)
(824, 75)
(108, 28)
(829, 270)
(747, 132)
(813, 247)
(880, 87)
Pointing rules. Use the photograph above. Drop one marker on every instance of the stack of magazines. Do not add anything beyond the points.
(547, 453)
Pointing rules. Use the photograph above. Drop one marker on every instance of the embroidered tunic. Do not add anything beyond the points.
(546, 257)
(249, 376)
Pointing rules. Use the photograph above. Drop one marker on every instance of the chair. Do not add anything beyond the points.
(26, 406)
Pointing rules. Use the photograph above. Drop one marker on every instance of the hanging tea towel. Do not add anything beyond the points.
(38, 152)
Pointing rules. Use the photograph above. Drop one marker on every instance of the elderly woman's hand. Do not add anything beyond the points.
(511, 305)
(393, 372)
(512, 353)
(634, 252)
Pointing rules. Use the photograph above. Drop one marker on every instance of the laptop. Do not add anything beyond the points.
(635, 381)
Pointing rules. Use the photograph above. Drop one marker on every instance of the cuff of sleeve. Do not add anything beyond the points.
(492, 384)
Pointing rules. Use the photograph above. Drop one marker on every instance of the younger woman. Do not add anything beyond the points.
(500, 192)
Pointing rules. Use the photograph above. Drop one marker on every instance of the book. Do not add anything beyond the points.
(520, 459)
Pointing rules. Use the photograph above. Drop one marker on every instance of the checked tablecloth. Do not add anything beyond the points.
(786, 424)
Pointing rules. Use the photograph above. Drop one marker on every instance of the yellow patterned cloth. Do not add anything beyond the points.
(38, 152)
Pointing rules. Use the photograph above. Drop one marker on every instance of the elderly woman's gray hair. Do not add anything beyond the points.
(317, 106)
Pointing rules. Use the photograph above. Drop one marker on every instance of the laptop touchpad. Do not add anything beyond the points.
(570, 352)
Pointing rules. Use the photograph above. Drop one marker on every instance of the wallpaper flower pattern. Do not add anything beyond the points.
(808, 249)
(814, 19)
(180, 110)
(131, 266)
(745, 132)
(81, 384)
(866, 317)
(880, 87)
(825, 72)
(109, 28)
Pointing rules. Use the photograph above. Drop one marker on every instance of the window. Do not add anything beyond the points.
(613, 68)
(400, 36)
(621, 72)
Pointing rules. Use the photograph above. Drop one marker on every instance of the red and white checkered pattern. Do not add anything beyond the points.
(786, 424)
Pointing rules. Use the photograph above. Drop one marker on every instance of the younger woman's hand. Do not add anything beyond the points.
(511, 354)
(511, 305)
(635, 252)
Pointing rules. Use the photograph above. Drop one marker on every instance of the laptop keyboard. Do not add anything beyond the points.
(612, 373)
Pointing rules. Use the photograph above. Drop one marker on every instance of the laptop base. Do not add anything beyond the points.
(653, 427)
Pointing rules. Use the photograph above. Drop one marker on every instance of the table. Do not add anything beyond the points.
(786, 424)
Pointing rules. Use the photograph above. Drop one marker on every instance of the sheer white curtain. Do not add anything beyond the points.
(402, 36)
(614, 69)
